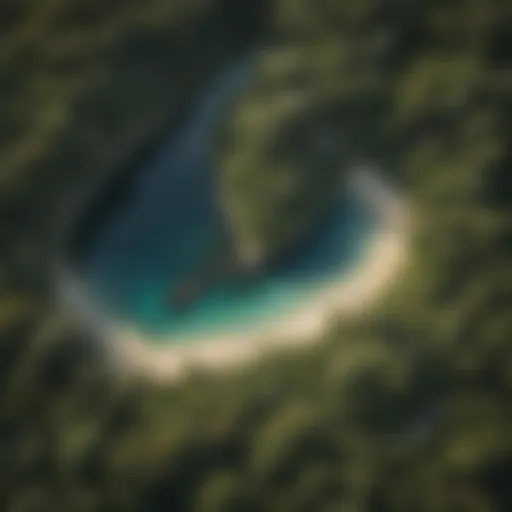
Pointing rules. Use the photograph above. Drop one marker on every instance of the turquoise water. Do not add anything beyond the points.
(171, 223)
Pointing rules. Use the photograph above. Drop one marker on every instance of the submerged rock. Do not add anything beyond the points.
(219, 270)
(184, 296)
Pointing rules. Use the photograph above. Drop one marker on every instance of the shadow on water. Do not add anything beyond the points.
(238, 28)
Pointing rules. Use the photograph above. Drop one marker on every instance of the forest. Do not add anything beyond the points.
(405, 408)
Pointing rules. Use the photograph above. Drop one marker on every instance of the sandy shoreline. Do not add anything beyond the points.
(156, 359)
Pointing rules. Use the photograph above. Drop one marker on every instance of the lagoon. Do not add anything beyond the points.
(171, 224)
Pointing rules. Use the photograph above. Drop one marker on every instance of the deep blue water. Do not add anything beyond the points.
(171, 224)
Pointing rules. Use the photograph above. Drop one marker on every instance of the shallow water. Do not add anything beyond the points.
(171, 223)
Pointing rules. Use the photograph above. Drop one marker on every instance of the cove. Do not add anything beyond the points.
(171, 224)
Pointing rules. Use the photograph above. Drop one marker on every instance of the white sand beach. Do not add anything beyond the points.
(164, 359)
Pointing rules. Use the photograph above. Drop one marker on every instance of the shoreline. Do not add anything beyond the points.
(163, 359)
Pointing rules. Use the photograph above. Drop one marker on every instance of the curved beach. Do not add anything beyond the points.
(170, 358)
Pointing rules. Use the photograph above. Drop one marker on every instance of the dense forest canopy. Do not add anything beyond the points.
(404, 409)
(340, 82)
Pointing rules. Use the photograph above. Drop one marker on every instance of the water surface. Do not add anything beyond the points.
(171, 224)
